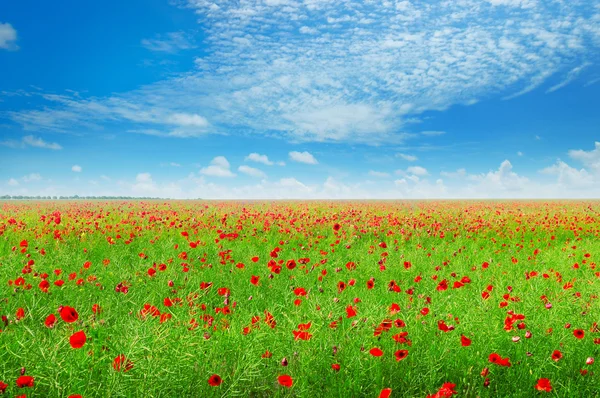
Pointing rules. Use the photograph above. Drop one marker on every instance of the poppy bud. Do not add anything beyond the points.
(284, 362)
(22, 370)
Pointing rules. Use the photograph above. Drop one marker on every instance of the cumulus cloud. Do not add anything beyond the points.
(251, 171)
(8, 37)
(219, 167)
(76, 168)
(303, 157)
(255, 157)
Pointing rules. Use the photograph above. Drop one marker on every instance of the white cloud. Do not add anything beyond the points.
(341, 80)
(410, 158)
(572, 75)
(568, 176)
(432, 133)
(417, 170)
(519, 153)
(303, 157)
(31, 141)
(378, 174)
(169, 43)
(33, 177)
(188, 120)
(76, 168)
(219, 167)
(460, 173)
(255, 157)
(40, 143)
(8, 36)
(251, 171)
(590, 159)
(502, 183)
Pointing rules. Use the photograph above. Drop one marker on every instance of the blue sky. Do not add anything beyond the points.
(301, 98)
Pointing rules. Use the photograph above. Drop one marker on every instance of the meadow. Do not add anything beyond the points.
(299, 299)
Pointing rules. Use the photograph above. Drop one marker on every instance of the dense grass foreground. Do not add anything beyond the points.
(201, 299)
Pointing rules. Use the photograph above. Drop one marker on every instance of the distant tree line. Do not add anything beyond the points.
(76, 197)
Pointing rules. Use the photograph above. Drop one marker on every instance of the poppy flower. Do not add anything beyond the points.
(215, 380)
(579, 333)
(400, 355)
(465, 341)
(3, 387)
(254, 280)
(20, 314)
(50, 321)
(556, 355)
(122, 363)
(336, 367)
(385, 393)
(24, 381)
(350, 311)
(285, 380)
(78, 339)
(75, 396)
(376, 352)
(543, 384)
(69, 314)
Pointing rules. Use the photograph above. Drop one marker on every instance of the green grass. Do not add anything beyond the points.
(172, 361)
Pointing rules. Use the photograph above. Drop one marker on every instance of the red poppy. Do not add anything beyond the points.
(254, 280)
(215, 380)
(350, 311)
(50, 321)
(96, 309)
(78, 339)
(385, 393)
(401, 354)
(447, 390)
(3, 387)
(75, 396)
(543, 384)
(376, 352)
(69, 314)
(336, 367)
(556, 355)
(579, 333)
(465, 341)
(267, 354)
(20, 314)
(24, 381)
(255, 259)
(285, 380)
(121, 363)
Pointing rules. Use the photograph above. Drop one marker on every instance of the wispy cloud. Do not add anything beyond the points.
(572, 75)
(77, 169)
(252, 172)
(169, 43)
(31, 141)
(326, 73)
(407, 157)
(8, 37)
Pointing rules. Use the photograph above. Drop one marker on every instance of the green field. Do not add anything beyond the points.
(170, 294)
